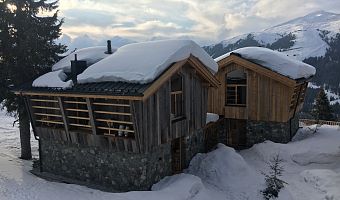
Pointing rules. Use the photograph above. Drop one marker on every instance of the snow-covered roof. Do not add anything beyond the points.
(275, 61)
(91, 55)
(144, 62)
(53, 79)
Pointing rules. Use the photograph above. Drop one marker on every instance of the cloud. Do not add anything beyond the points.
(204, 21)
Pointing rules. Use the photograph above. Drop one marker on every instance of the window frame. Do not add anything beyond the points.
(178, 96)
(241, 82)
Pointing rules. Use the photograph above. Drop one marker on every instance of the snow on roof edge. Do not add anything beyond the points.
(274, 61)
(55, 79)
(144, 62)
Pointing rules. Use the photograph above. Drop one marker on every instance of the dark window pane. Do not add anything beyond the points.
(231, 95)
(176, 83)
(241, 95)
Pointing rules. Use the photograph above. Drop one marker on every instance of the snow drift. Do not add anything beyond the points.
(91, 55)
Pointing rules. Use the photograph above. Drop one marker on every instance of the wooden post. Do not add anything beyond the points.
(31, 115)
(91, 115)
(66, 124)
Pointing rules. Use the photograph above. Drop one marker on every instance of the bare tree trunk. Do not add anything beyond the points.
(25, 136)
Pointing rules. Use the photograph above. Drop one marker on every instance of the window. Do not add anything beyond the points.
(177, 105)
(236, 88)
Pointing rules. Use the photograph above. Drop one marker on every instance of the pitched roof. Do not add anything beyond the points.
(134, 67)
(274, 61)
(144, 62)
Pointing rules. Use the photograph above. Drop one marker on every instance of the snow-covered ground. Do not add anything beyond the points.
(311, 163)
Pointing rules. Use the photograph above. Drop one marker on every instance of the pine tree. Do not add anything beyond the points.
(322, 109)
(273, 178)
(28, 30)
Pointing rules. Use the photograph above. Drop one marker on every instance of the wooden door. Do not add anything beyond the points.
(178, 155)
(236, 134)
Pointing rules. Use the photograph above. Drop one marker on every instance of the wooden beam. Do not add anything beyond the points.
(91, 115)
(50, 94)
(66, 124)
(114, 121)
(48, 115)
(80, 125)
(111, 113)
(76, 110)
(44, 100)
(115, 129)
(44, 107)
(32, 117)
(110, 104)
(51, 122)
(163, 78)
(75, 102)
(75, 117)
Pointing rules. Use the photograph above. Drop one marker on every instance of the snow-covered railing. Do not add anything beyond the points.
(321, 122)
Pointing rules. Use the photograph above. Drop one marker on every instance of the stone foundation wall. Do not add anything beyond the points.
(259, 131)
(194, 144)
(116, 171)
(110, 169)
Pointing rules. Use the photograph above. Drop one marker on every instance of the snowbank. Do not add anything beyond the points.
(221, 174)
(144, 62)
(91, 55)
(53, 79)
(274, 61)
(211, 117)
(324, 180)
(226, 170)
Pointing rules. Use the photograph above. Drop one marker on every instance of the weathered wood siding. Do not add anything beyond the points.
(267, 98)
(84, 139)
(152, 117)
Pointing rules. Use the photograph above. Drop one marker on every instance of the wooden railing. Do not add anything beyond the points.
(321, 122)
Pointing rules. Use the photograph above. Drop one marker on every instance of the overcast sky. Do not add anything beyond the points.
(206, 21)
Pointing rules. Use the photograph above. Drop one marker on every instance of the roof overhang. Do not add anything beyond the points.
(72, 94)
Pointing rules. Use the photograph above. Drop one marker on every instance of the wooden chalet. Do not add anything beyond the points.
(122, 135)
(256, 102)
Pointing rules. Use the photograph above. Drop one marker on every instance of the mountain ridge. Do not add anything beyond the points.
(302, 37)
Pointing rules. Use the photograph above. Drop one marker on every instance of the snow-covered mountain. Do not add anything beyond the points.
(84, 41)
(302, 37)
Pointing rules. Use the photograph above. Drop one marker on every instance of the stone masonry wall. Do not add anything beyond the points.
(259, 131)
(194, 144)
(116, 171)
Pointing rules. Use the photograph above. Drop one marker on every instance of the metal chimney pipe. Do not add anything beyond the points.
(109, 47)
(74, 69)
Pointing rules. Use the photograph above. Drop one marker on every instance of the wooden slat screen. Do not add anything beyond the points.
(77, 113)
(111, 117)
(46, 111)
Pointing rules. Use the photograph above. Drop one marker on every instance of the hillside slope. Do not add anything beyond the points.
(302, 37)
